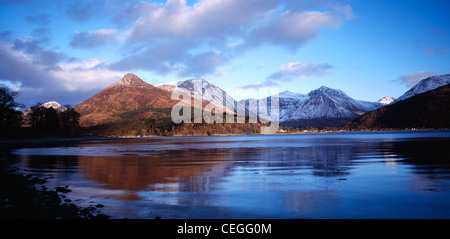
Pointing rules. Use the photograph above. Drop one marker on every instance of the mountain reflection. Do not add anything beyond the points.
(158, 172)
(195, 170)
(298, 176)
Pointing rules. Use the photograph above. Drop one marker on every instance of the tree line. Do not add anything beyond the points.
(39, 120)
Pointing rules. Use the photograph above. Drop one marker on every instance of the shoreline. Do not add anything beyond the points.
(23, 196)
(44, 140)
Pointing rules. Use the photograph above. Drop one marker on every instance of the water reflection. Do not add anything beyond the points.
(261, 176)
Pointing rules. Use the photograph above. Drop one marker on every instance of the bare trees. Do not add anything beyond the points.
(50, 122)
(10, 116)
(69, 121)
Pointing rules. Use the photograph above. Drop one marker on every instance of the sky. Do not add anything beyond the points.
(68, 50)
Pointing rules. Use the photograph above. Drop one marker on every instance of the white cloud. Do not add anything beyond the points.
(410, 79)
(85, 76)
(177, 33)
(167, 38)
(255, 85)
(95, 39)
(290, 71)
(294, 29)
(212, 18)
(39, 78)
(261, 66)
(298, 70)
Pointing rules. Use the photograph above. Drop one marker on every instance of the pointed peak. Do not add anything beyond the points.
(189, 84)
(131, 79)
(203, 81)
(386, 100)
(325, 89)
(51, 104)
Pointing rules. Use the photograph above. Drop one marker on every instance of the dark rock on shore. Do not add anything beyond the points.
(20, 198)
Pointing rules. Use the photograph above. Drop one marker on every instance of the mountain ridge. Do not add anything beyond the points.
(425, 110)
(427, 84)
(323, 106)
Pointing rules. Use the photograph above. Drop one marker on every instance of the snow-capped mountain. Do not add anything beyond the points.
(56, 106)
(425, 85)
(209, 91)
(330, 103)
(321, 107)
(386, 100)
(287, 100)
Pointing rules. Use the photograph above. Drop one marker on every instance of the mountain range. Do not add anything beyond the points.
(133, 97)
(321, 107)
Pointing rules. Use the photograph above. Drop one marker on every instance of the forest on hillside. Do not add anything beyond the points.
(158, 122)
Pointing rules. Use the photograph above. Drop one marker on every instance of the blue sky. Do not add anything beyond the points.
(69, 50)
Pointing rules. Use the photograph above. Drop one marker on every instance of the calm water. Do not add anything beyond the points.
(345, 175)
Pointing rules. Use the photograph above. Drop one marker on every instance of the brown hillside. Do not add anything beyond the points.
(128, 94)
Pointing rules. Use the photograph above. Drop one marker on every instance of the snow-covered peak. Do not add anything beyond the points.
(56, 106)
(292, 95)
(203, 88)
(386, 100)
(189, 84)
(131, 80)
(425, 85)
(327, 91)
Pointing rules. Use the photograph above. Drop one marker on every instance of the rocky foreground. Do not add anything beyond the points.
(23, 196)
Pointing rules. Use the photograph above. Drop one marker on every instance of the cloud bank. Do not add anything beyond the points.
(196, 40)
(44, 73)
(291, 71)
(165, 38)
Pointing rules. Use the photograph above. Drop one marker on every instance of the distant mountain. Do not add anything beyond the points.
(425, 85)
(56, 106)
(207, 90)
(128, 94)
(386, 100)
(321, 107)
(425, 110)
